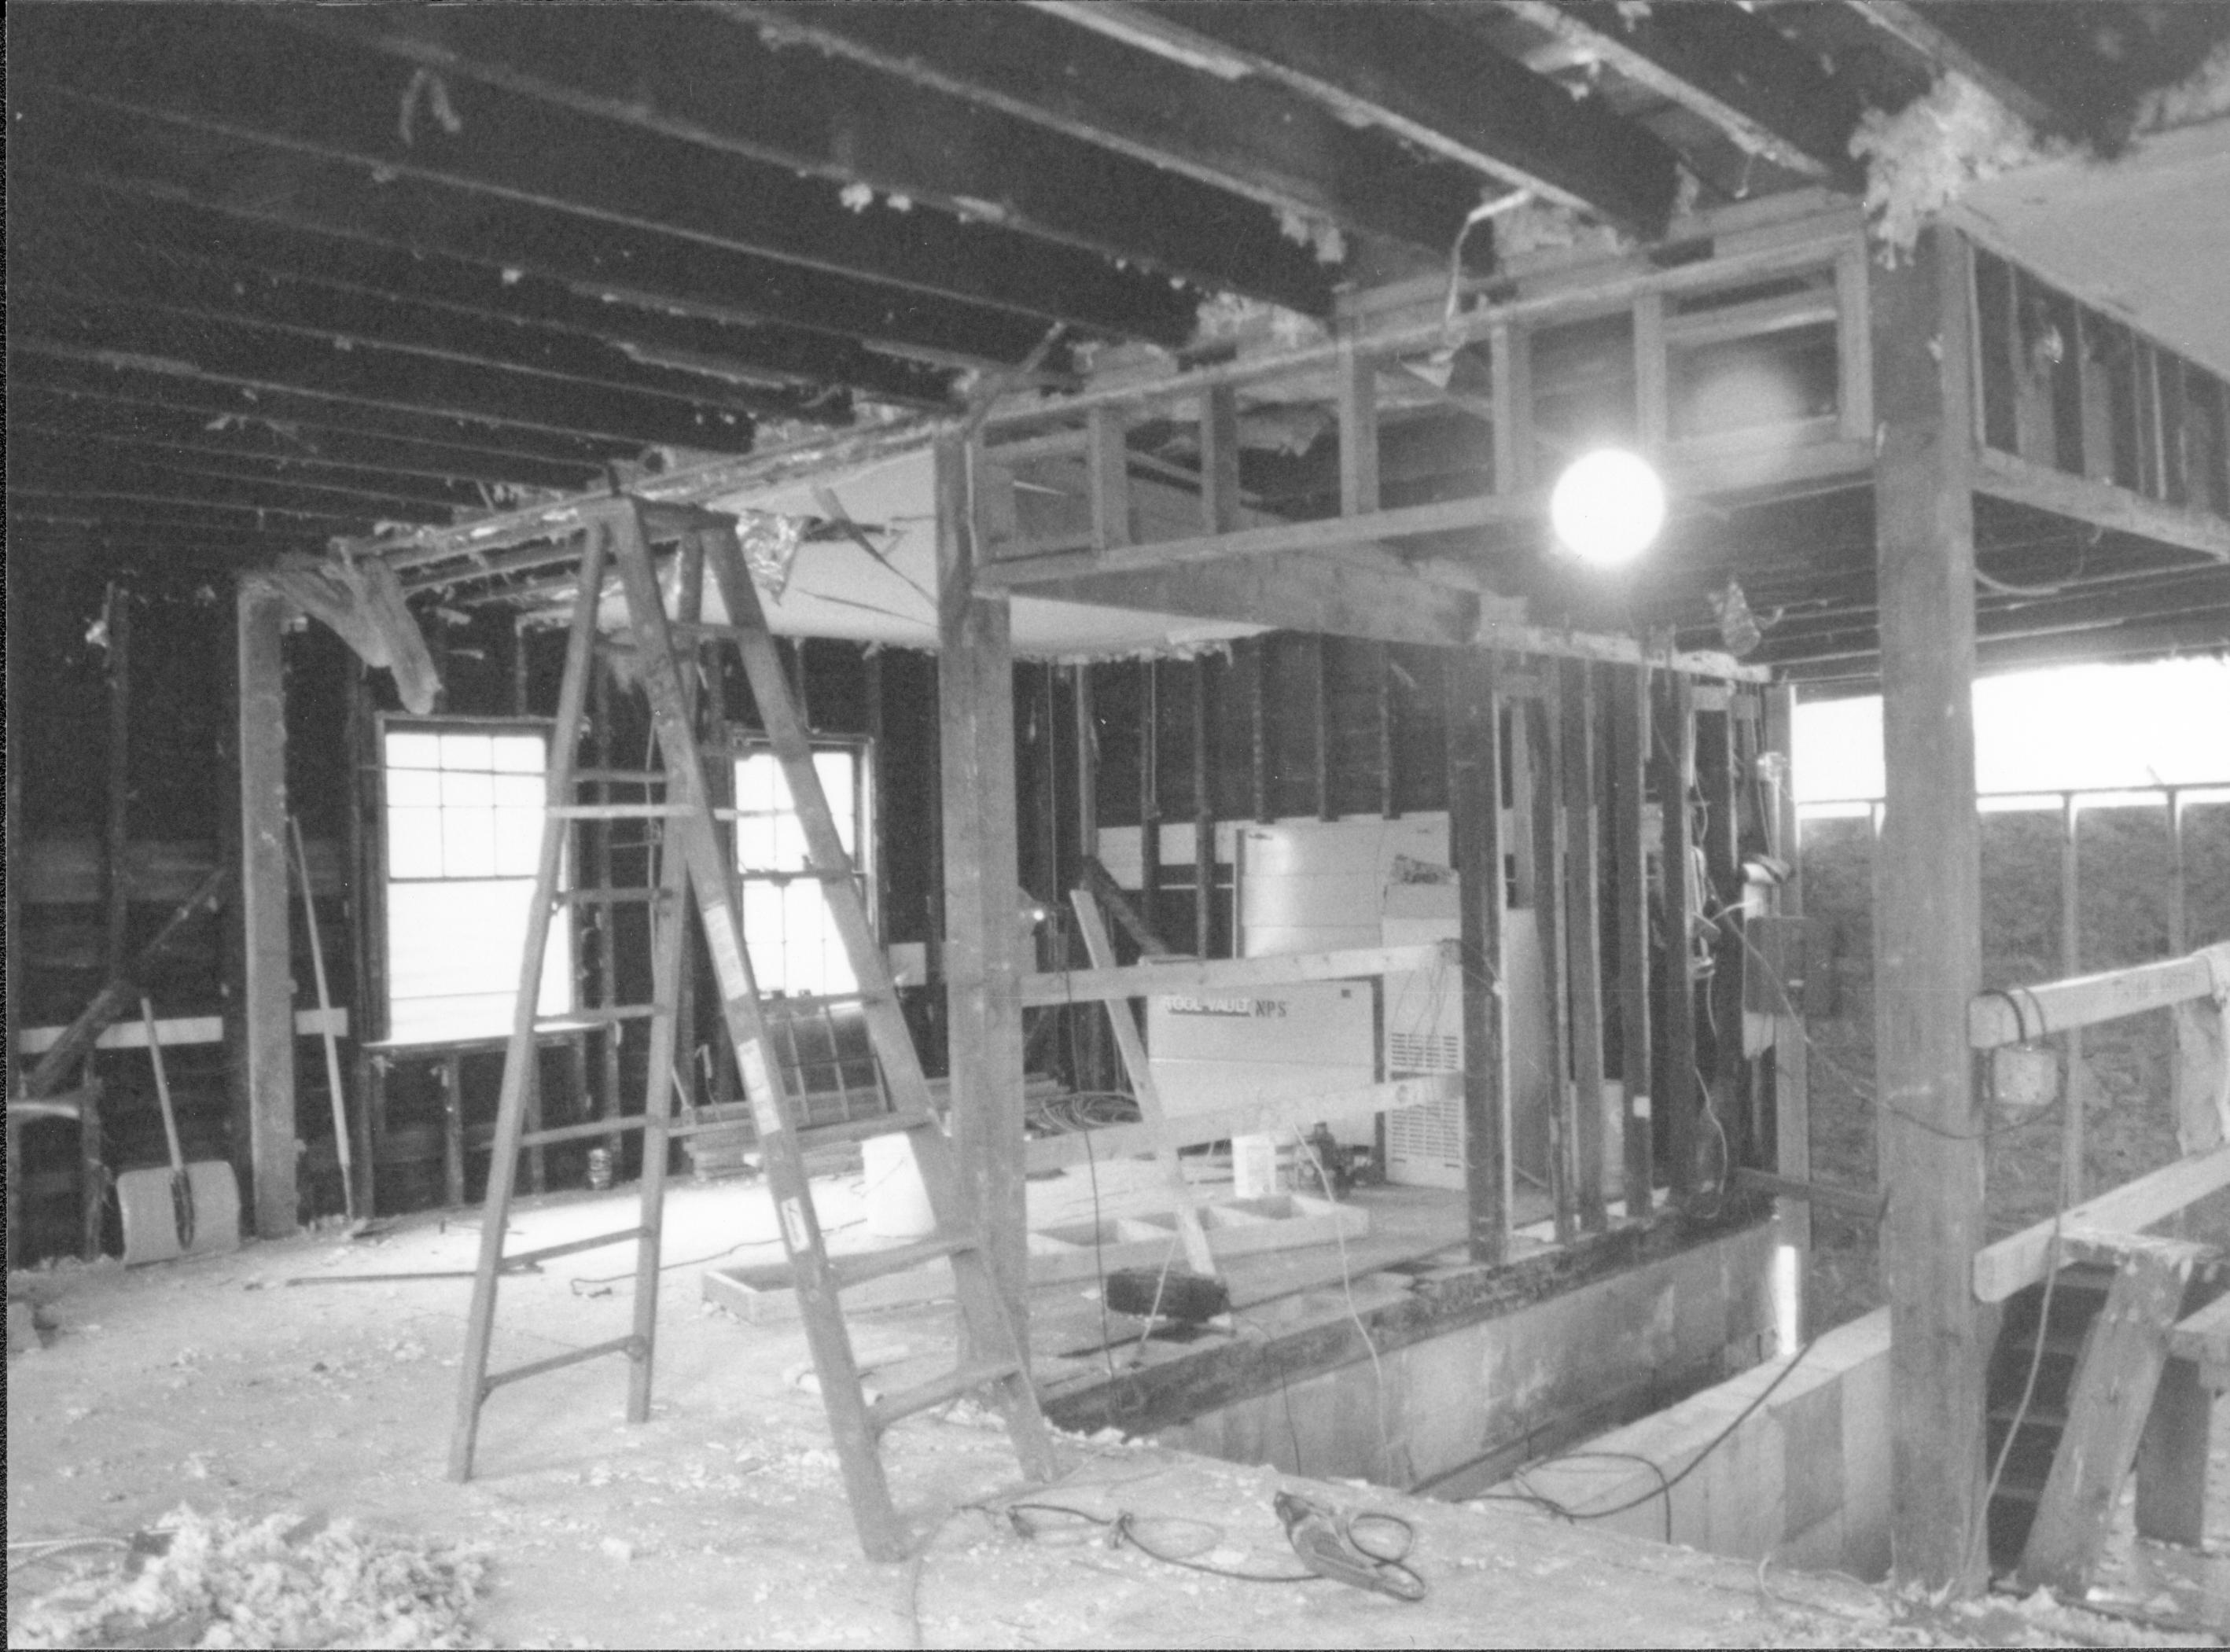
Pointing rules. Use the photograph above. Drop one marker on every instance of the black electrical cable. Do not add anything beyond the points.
(1123, 1528)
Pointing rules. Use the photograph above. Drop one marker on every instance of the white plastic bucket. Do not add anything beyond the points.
(1255, 1167)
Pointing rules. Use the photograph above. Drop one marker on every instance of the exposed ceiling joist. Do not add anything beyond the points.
(339, 103)
(36, 460)
(692, 74)
(1724, 64)
(1400, 69)
(108, 142)
(59, 451)
(1932, 49)
(1251, 139)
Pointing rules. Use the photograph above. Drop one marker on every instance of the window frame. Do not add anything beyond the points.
(383, 878)
(747, 743)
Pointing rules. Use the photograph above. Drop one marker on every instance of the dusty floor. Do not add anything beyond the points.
(218, 1382)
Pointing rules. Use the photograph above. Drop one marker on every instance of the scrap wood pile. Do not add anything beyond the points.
(286, 1580)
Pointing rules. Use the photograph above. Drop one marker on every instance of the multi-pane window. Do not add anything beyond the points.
(788, 927)
(463, 831)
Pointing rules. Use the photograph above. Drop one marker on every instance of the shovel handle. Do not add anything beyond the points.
(161, 1085)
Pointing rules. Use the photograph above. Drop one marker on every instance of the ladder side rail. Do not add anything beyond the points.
(895, 1047)
(669, 922)
(511, 1119)
(866, 1485)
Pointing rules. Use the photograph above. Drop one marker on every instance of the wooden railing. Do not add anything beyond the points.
(2027, 1015)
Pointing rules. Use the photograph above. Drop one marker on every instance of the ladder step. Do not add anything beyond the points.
(883, 1124)
(594, 1242)
(631, 811)
(756, 874)
(603, 1012)
(619, 777)
(631, 1346)
(809, 1003)
(645, 894)
(704, 629)
(859, 1266)
(675, 1128)
(966, 1379)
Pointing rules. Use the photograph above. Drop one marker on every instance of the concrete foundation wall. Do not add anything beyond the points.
(1457, 1413)
(1804, 1478)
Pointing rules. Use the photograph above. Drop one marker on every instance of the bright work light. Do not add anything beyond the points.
(1607, 507)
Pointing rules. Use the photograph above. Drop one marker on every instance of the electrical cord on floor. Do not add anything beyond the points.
(1347, 1285)
(1122, 1527)
(596, 1280)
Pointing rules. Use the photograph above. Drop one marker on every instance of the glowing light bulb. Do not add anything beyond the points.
(1607, 507)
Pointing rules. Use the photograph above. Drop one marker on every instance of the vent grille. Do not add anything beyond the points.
(1411, 1053)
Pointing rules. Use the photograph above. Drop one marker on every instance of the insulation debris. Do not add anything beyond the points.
(286, 1580)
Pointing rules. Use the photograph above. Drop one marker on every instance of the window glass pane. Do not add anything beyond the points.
(467, 843)
(518, 842)
(518, 753)
(468, 752)
(755, 778)
(413, 789)
(835, 770)
(789, 844)
(788, 928)
(519, 791)
(475, 790)
(754, 845)
(409, 750)
(414, 842)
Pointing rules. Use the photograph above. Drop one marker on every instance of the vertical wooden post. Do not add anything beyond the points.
(266, 1055)
(976, 702)
(1475, 831)
(365, 824)
(1203, 821)
(1220, 507)
(1150, 793)
(1512, 366)
(116, 873)
(1382, 674)
(1258, 722)
(1652, 388)
(1629, 737)
(1673, 762)
(2074, 1120)
(1320, 698)
(1792, 1108)
(1095, 1026)
(2179, 898)
(1584, 944)
(1927, 905)
(1358, 431)
(1854, 367)
(1545, 713)
(1718, 766)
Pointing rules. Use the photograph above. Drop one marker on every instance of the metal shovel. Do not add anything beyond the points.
(185, 1209)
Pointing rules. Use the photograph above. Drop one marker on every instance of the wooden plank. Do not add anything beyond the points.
(1510, 365)
(1266, 1117)
(1197, 975)
(1583, 947)
(2030, 1013)
(1629, 857)
(1545, 745)
(1375, 528)
(1854, 364)
(2203, 1337)
(1927, 923)
(1101, 883)
(2022, 1259)
(2073, 1115)
(976, 718)
(1258, 725)
(1150, 794)
(2002, 475)
(2115, 1383)
(2094, 396)
(1220, 508)
(1792, 1110)
(1474, 786)
(179, 1031)
(1357, 380)
(115, 861)
(1132, 1048)
(1719, 765)
(2172, 1458)
(1674, 764)
(1304, 591)
(1203, 820)
(268, 1058)
(1652, 391)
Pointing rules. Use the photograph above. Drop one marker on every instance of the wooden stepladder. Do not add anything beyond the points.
(696, 866)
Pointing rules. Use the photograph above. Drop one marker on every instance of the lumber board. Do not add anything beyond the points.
(1195, 975)
(2203, 1338)
(2026, 1014)
(2021, 481)
(1475, 849)
(1264, 1117)
(2022, 1259)
(2115, 1384)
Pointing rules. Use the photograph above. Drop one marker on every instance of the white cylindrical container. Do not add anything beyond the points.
(897, 1202)
(1255, 1167)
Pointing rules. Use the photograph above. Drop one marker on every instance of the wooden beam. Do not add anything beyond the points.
(2074, 1120)
(1474, 783)
(2026, 1014)
(695, 76)
(266, 1056)
(1220, 507)
(1927, 924)
(1442, 90)
(1933, 50)
(2021, 1260)
(976, 706)
(1192, 976)
(1304, 592)
(1203, 819)
(1545, 747)
(337, 104)
(1358, 432)
(1673, 768)
(1792, 1110)
(1246, 136)
(1729, 66)
(2005, 475)
(1630, 759)
(1584, 938)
